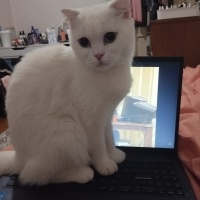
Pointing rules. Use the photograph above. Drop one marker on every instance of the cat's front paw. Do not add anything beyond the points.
(107, 167)
(117, 155)
(82, 175)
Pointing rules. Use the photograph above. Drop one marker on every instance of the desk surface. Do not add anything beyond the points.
(131, 124)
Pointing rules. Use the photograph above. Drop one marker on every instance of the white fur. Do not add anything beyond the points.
(61, 99)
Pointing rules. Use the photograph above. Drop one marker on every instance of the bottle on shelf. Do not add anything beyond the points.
(63, 37)
(59, 34)
(20, 35)
(54, 35)
(33, 35)
(24, 38)
(21, 39)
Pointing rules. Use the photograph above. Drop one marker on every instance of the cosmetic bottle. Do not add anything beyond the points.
(24, 38)
(54, 35)
(62, 33)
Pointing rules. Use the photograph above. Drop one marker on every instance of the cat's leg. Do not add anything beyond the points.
(98, 151)
(81, 174)
(115, 154)
(34, 172)
(64, 152)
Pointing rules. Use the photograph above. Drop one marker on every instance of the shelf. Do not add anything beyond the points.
(16, 52)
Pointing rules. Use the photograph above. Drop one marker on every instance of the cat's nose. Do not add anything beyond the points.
(99, 56)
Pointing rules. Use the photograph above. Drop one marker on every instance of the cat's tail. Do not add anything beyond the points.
(9, 163)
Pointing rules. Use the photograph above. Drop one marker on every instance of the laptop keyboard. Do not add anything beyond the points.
(149, 177)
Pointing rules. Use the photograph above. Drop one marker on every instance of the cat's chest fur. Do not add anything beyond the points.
(96, 93)
(106, 85)
(69, 88)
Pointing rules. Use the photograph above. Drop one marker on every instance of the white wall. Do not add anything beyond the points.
(42, 14)
(6, 19)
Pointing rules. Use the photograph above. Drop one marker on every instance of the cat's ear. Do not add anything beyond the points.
(71, 15)
(122, 7)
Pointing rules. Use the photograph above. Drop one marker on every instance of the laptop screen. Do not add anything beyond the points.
(148, 115)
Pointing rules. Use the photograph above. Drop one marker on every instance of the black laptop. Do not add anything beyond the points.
(145, 126)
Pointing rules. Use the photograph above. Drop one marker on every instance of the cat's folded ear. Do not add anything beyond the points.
(70, 15)
(122, 7)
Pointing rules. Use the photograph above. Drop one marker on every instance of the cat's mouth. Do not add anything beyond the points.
(101, 66)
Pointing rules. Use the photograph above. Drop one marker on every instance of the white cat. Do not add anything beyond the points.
(60, 100)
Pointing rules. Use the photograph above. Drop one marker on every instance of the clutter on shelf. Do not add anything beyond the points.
(178, 11)
(9, 38)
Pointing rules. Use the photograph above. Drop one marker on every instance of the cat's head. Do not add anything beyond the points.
(102, 36)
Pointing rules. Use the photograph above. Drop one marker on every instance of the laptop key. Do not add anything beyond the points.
(161, 190)
(170, 191)
(179, 191)
(113, 181)
(149, 190)
(14, 177)
(168, 184)
(136, 189)
(124, 181)
(177, 185)
(113, 188)
(11, 183)
(124, 188)
(103, 188)
(159, 183)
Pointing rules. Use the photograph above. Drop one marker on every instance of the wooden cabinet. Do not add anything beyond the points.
(177, 37)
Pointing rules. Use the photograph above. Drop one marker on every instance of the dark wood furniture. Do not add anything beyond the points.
(3, 124)
(177, 37)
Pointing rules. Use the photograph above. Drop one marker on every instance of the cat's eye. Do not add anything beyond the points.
(110, 37)
(84, 42)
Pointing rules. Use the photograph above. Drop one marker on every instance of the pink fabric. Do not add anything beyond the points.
(189, 129)
(8, 148)
(5, 81)
(136, 10)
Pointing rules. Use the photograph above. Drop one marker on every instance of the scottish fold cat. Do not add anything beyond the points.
(60, 100)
